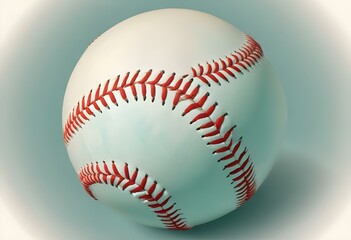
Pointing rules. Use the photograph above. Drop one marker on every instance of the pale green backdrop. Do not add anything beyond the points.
(307, 186)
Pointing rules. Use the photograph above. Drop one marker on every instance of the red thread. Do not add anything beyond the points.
(242, 172)
(242, 59)
(159, 203)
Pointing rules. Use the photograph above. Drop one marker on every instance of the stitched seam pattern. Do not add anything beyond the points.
(142, 187)
(238, 162)
(231, 65)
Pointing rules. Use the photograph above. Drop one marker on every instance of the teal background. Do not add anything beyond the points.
(306, 188)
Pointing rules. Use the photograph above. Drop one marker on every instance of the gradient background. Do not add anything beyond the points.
(307, 193)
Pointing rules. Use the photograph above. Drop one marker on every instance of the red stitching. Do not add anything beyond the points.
(144, 189)
(239, 165)
(244, 179)
(231, 65)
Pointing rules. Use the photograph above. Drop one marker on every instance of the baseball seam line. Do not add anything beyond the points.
(239, 164)
(139, 185)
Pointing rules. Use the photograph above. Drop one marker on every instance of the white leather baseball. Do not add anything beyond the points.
(173, 117)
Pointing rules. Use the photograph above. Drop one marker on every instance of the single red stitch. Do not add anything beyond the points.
(126, 171)
(89, 97)
(235, 68)
(224, 65)
(164, 95)
(115, 170)
(209, 68)
(230, 61)
(165, 201)
(221, 75)
(123, 94)
(89, 112)
(219, 122)
(112, 97)
(143, 91)
(104, 103)
(152, 188)
(160, 194)
(211, 109)
(97, 93)
(106, 168)
(115, 84)
(92, 174)
(104, 178)
(146, 77)
(124, 82)
(98, 170)
(216, 66)
(202, 78)
(176, 100)
(135, 76)
(153, 92)
(83, 102)
(106, 87)
(169, 80)
(96, 106)
(206, 125)
(211, 134)
(194, 93)
(112, 179)
(201, 70)
(134, 92)
(135, 175)
(194, 72)
(213, 78)
(77, 109)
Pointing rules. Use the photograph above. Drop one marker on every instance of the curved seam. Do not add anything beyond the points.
(156, 199)
(240, 166)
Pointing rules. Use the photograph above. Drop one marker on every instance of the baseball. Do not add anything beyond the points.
(173, 118)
